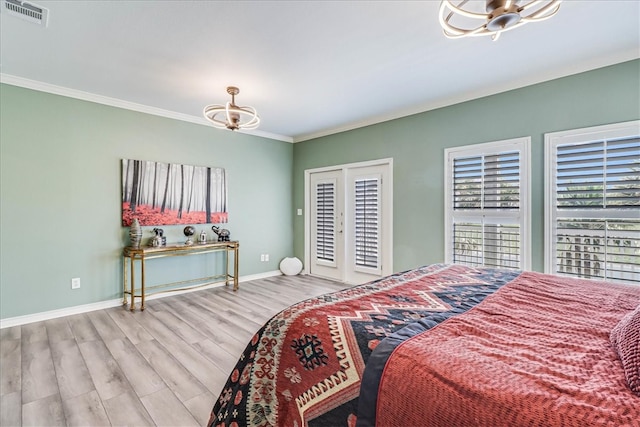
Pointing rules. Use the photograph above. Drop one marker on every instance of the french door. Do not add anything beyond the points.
(348, 225)
(327, 224)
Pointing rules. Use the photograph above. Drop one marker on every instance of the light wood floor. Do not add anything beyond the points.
(163, 366)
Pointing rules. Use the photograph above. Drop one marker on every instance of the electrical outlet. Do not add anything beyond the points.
(266, 257)
(262, 257)
(75, 283)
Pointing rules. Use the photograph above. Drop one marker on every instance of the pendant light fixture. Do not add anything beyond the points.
(230, 116)
(500, 16)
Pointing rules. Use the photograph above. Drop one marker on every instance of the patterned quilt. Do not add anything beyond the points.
(305, 366)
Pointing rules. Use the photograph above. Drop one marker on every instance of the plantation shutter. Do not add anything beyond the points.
(367, 216)
(486, 205)
(596, 218)
(599, 175)
(325, 221)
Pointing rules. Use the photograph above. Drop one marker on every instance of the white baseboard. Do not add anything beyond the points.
(260, 275)
(85, 308)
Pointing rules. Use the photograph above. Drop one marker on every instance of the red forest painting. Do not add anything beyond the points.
(167, 193)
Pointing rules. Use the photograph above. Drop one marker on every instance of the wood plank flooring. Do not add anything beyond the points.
(164, 366)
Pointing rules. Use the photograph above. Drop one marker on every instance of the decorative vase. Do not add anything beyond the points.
(135, 233)
(291, 266)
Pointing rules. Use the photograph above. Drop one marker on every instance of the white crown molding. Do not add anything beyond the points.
(119, 103)
(577, 68)
(85, 308)
(257, 132)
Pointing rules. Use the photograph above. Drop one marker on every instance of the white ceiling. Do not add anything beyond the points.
(310, 68)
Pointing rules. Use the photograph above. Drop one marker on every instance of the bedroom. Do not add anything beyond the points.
(61, 184)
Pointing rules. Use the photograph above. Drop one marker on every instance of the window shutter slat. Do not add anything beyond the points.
(487, 182)
(366, 222)
(467, 177)
(502, 181)
(599, 248)
(598, 174)
(325, 221)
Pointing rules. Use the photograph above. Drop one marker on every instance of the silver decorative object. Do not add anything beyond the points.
(189, 231)
(223, 233)
(158, 239)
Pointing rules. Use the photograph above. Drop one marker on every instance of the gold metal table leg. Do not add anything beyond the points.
(142, 285)
(124, 281)
(235, 266)
(226, 267)
(133, 284)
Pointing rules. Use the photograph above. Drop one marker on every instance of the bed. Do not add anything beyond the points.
(445, 345)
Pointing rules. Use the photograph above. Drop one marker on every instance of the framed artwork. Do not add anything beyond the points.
(168, 193)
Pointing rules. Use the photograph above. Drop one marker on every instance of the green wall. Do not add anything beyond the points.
(60, 178)
(60, 187)
(416, 144)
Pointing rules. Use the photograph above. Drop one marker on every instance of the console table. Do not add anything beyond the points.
(141, 254)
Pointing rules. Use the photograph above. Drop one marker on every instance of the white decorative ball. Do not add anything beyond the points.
(290, 266)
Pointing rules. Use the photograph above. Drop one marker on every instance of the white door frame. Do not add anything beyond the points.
(387, 241)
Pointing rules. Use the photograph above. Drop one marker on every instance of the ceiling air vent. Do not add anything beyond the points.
(27, 11)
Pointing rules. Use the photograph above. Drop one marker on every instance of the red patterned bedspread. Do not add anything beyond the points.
(305, 365)
(535, 353)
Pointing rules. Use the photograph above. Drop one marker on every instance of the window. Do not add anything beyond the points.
(487, 204)
(325, 220)
(592, 203)
(367, 214)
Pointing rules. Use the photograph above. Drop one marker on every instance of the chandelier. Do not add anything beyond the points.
(231, 116)
(500, 16)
